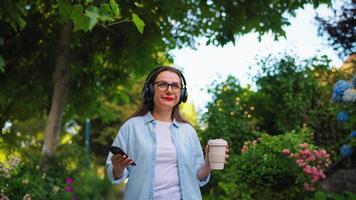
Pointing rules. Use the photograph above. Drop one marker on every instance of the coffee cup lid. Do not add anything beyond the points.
(219, 141)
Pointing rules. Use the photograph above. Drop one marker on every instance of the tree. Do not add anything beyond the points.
(340, 29)
(12, 13)
(92, 64)
(83, 19)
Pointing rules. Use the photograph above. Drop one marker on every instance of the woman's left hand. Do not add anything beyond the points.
(205, 169)
(226, 154)
(207, 154)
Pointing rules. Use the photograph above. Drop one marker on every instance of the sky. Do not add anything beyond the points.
(208, 63)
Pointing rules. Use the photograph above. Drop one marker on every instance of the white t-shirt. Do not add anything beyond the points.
(166, 171)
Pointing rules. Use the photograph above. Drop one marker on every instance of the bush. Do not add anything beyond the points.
(262, 171)
(266, 172)
(67, 177)
(26, 177)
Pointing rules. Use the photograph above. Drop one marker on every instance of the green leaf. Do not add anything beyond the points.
(64, 9)
(105, 13)
(21, 22)
(2, 64)
(138, 22)
(320, 196)
(115, 8)
(93, 15)
(81, 21)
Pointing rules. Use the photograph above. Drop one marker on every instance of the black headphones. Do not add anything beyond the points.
(148, 89)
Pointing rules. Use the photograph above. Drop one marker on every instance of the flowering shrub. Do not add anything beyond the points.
(313, 163)
(342, 116)
(249, 144)
(24, 178)
(346, 150)
(345, 92)
(67, 177)
(349, 95)
(280, 167)
(339, 88)
(289, 96)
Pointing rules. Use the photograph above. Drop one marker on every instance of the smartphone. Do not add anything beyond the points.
(117, 150)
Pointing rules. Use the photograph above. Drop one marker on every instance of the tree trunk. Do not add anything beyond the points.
(61, 87)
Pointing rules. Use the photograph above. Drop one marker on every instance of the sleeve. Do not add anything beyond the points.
(199, 159)
(120, 141)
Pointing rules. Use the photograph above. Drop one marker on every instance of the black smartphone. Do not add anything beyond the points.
(117, 150)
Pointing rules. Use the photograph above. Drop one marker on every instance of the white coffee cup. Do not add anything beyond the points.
(217, 153)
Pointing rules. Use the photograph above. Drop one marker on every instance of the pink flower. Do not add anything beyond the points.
(286, 152)
(311, 158)
(304, 145)
(68, 189)
(306, 153)
(317, 154)
(322, 175)
(308, 170)
(69, 181)
(298, 161)
(315, 178)
(322, 152)
(312, 163)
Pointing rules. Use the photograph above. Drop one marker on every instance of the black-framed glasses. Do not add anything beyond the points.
(163, 86)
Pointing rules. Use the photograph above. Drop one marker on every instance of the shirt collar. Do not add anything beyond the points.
(149, 118)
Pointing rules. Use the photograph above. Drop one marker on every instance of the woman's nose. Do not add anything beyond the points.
(169, 88)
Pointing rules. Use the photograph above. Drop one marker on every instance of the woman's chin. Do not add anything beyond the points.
(167, 104)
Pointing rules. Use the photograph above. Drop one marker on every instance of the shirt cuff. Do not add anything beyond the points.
(110, 175)
(204, 181)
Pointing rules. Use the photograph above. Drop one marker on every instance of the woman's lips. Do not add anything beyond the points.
(168, 98)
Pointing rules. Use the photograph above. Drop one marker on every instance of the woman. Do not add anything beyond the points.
(165, 147)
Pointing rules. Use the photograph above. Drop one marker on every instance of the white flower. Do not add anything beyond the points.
(55, 189)
(13, 161)
(27, 197)
(349, 95)
(25, 181)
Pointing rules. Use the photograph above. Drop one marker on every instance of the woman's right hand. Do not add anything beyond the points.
(120, 162)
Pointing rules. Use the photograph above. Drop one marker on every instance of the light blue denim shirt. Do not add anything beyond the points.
(137, 138)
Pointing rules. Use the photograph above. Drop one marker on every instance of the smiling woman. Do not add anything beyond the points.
(165, 147)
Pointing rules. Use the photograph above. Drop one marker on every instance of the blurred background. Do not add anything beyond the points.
(276, 79)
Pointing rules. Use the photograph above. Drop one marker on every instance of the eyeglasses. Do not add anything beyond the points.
(163, 86)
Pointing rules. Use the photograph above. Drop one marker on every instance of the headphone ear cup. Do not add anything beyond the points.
(183, 95)
(150, 90)
(146, 92)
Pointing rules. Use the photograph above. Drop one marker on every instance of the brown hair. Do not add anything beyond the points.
(147, 104)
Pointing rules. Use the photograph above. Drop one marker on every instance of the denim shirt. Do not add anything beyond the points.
(137, 138)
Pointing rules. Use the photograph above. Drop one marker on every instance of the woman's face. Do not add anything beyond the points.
(167, 88)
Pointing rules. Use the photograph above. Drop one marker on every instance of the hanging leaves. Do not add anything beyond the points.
(85, 19)
(81, 21)
(93, 15)
(138, 22)
(65, 9)
(115, 8)
(105, 13)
